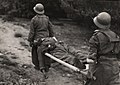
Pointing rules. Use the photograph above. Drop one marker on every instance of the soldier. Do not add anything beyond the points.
(41, 34)
(104, 50)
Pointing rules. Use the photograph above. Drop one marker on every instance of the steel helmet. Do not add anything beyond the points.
(39, 8)
(102, 20)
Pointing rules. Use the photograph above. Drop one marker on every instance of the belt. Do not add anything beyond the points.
(107, 58)
(108, 55)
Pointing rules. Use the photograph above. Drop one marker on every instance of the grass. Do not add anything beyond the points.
(6, 61)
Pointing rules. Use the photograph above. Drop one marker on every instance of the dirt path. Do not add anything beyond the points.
(10, 45)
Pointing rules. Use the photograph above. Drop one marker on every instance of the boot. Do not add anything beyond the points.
(44, 74)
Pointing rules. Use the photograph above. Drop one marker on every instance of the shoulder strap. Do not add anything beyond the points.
(114, 38)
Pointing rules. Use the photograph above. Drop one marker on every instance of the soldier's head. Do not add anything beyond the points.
(102, 20)
(39, 8)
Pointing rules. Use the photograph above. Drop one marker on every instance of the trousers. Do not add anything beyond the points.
(39, 59)
(107, 73)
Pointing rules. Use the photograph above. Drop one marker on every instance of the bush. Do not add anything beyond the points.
(88, 9)
(24, 8)
(81, 11)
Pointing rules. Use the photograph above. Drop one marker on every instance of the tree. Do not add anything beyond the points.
(81, 11)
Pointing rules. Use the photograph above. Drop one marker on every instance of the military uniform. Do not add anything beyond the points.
(69, 54)
(104, 50)
(40, 29)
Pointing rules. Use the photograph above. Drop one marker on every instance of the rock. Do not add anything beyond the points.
(68, 75)
(2, 83)
(1, 54)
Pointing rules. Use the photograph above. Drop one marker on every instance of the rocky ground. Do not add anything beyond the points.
(16, 67)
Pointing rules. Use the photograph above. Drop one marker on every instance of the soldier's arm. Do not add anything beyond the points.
(32, 32)
(93, 44)
(50, 28)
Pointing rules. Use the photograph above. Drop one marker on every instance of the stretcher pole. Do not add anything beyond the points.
(66, 64)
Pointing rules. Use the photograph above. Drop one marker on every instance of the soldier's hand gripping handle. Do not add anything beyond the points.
(88, 61)
(55, 39)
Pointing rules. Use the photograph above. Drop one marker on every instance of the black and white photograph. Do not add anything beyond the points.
(59, 42)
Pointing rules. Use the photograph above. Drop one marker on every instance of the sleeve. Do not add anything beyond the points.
(94, 46)
(76, 53)
(32, 32)
(50, 28)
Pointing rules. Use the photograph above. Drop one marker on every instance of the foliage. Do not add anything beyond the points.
(81, 11)
(85, 10)
(24, 8)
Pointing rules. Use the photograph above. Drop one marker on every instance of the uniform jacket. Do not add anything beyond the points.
(104, 48)
(40, 27)
(69, 54)
(104, 43)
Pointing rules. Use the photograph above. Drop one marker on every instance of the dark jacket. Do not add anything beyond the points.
(104, 48)
(104, 43)
(40, 27)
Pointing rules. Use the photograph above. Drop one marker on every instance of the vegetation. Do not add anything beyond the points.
(81, 11)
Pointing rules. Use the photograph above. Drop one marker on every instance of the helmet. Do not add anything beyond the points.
(39, 8)
(102, 20)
